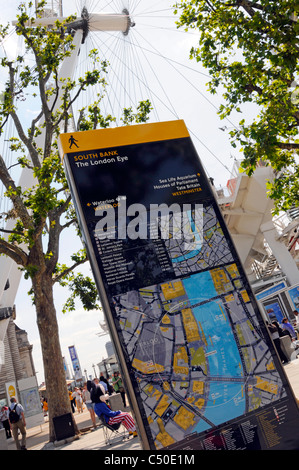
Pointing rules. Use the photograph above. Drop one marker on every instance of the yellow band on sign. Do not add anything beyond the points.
(12, 391)
(119, 136)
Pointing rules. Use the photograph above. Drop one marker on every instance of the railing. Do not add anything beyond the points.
(281, 222)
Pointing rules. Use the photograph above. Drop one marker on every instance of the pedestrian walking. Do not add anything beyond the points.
(72, 401)
(89, 404)
(17, 423)
(4, 419)
(79, 401)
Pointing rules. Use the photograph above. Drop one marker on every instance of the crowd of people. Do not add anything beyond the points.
(114, 384)
(94, 395)
(99, 393)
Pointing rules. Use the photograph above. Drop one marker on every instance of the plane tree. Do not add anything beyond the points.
(41, 213)
(251, 50)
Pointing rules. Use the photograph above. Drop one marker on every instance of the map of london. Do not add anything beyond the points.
(194, 342)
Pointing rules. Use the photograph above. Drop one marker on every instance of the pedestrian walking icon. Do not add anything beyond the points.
(72, 141)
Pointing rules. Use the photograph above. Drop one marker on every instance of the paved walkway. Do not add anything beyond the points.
(89, 439)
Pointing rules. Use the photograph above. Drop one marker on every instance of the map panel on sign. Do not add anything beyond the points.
(197, 353)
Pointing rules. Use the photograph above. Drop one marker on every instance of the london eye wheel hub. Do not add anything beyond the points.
(88, 22)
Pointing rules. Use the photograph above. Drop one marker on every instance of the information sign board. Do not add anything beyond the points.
(75, 363)
(294, 296)
(30, 400)
(199, 364)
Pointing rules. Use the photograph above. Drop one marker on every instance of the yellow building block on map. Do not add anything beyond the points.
(162, 405)
(229, 298)
(166, 386)
(198, 387)
(150, 420)
(199, 403)
(163, 437)
(172, 290)
(266, 386)
(184, 418)
(221, 280)
(191, 325)
(166, 320)
(270, 366)
(245, 296)
(147, 367)
(233, 270)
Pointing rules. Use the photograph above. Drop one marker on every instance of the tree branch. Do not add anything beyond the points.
(69, 223)
(14, 195)
(27, 142)
(69, 270)
(287, 146)
(13, 252)
(12, 232)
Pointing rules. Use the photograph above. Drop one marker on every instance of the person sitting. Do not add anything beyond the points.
(276, 339)
(281, 332)
(99, 397)
(286, 325)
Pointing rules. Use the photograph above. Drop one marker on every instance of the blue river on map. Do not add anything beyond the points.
(226, 399)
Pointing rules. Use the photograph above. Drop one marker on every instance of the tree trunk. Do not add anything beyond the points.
(55, 379)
